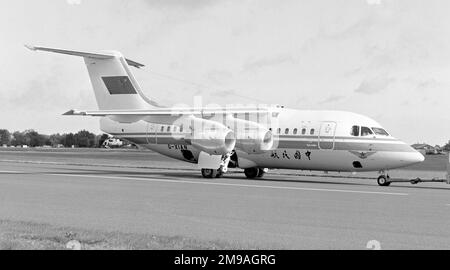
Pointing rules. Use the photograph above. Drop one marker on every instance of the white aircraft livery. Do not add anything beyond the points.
(253, 138)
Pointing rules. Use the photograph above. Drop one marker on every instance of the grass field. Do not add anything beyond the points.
(15, 235)
(32, 236)
(91, 157)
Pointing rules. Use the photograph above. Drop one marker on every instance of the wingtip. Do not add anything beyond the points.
(71, 112)
(75, 112)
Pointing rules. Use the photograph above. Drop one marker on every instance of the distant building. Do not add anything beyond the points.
(427, 149)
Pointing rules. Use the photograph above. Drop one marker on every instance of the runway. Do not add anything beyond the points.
(281, 211)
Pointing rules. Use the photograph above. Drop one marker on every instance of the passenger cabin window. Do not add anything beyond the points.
(181, 128)
(355, 131)
(365, 131)
(295, 131)
(304, 131)
(162, 128)
(286, 131)
(175, 128)
(380, 131)
(279, 131)
(312, 131)
(168, 129)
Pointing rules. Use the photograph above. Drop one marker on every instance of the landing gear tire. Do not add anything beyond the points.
(252, 173)
(209, 173)
(383, 181)
(261, 173)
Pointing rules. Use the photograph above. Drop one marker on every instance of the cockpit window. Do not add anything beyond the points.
(380, 131)
(365, 131)
(355, 131)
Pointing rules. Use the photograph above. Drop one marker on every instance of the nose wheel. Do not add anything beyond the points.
(383, 180)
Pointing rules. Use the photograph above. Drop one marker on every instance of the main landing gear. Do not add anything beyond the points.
(252, 173)
(212, 173)
(229, 160)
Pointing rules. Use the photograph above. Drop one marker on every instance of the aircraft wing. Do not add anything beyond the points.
(176, 112)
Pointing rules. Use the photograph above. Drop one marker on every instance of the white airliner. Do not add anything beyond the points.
(255, 138)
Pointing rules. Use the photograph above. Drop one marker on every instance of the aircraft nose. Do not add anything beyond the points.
(419, 157)
(415, 157)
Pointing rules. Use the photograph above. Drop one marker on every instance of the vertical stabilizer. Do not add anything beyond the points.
(113, 83)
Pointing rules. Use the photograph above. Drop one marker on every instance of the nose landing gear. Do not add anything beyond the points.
(383, 180)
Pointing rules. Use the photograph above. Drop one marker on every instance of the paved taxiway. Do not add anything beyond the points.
(279, 211)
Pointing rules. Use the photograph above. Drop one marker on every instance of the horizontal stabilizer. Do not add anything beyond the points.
(83, 54)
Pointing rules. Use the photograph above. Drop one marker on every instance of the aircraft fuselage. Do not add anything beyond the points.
(303, 140)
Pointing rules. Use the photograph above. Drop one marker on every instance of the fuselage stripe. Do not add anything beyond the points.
(348, 145)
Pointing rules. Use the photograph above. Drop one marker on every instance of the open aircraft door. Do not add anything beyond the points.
(327, 134)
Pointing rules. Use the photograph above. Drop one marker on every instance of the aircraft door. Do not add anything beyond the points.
(327, 135)
(152, 134)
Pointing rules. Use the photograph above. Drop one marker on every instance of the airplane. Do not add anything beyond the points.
(254, 138)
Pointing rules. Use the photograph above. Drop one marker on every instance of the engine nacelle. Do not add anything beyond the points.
(214, 142)
(251, 137)
(255, 141)
(210, 136)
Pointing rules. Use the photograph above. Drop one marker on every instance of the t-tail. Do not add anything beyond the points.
(114, 85)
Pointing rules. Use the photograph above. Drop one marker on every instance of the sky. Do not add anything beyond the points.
(387, 59)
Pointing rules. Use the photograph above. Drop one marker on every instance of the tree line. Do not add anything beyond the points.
(81, 139)
(31, 138)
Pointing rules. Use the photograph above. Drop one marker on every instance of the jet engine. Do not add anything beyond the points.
(255, 141)
(214, 142)
(251, 137)
(210, 136)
